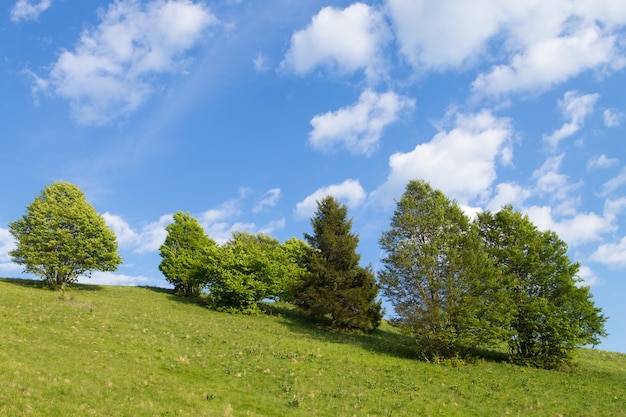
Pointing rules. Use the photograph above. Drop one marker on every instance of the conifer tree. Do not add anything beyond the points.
(336, 285)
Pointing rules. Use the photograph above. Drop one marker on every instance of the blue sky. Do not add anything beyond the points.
(244, 113)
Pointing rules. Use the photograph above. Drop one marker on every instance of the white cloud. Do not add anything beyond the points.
(611, 254)
(601, 162)
(588, 277)
(443, 34)
(547, 62)
(508, 193)
(575, 107)
(461, 162)
(613, 118)
(270, 198)
(111, 278)
(26, 10)
(219, 223)
(272, 226)
(110, 71)
(345, 40)
(148, 239)
(349, 192)
(7, 244)
(260, 62)
(225, 211)
(614, 183)
(551, 183)
(576, 229)
(358, 127)
(532, 44)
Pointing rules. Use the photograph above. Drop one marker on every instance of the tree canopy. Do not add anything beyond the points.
(552, 312)
(335, 284)
(445, 290)
(61, 237)
(184, 254)
(250, 268)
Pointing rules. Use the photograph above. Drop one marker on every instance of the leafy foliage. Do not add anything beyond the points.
(61, 237)
(335, 283)
(251, 268)
(185, 253)
(446, 292)
(553, 314)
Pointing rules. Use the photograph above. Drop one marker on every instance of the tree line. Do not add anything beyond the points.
(455, 284)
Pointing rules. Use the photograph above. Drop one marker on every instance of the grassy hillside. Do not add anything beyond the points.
(128, 351)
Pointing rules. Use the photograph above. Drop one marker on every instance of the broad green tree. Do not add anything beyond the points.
(61, 237)
(336, 285)
(445, 290)
(185, 254)
(553, 312)
(251, 268)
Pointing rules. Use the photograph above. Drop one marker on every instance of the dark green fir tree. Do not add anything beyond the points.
(336, 285)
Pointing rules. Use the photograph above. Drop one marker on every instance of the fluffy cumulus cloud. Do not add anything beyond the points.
(7, 244)
(109, 72)
(345, 40)
(148, 239)
(611, 254)
(443, 34)
(460, 162)
(359, 127)
(551, 61)
(575, 229)
(539, 43)
(350, 192)
(26, 10)
(575, 107)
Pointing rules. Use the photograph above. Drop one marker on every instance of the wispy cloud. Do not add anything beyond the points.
(349, 192)
(110, 72)
(269, 199)
(575, 107)
(613, 117)
(601, 162)
(359, 127)
(26, 10)
(614, 183)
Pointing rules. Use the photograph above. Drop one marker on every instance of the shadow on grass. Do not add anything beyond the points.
(380, 341)
(199, 300)
(40, 283)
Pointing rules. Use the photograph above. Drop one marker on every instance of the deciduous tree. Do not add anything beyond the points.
(445, 290)
(553, 312)
(185, 254)
(61, 237)
(251, 268)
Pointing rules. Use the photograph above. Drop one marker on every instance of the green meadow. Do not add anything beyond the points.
(132, 351)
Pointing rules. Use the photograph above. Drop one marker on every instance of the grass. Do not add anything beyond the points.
(130, 351)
